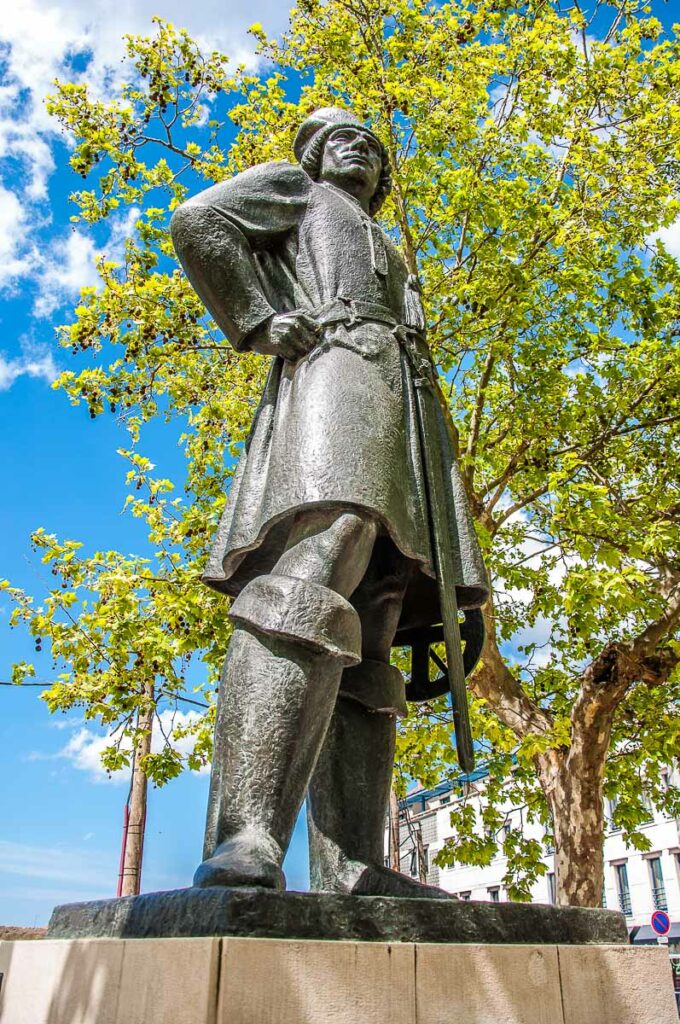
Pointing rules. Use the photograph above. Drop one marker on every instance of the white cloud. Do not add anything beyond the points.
(670, 237)
(39, 38)
(38, 41)
(39, 364)
(15, 257)
(171, 722)
(84, 748)
(533, 549)
(60, 874)
(68, 266)
(52, 864)
(540, 634)
(65, 723)
(69, 263)
(52, 897)
(35, 39)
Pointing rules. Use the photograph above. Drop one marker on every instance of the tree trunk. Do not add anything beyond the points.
(573, 788)
(395, 859)
(572, 777)
(134, 842)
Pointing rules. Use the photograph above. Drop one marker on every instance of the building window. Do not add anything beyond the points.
(649, 809)
(623, 889)
(551, 886)
(507, 828)
(658, 888)
(611, 808)
(445, 800)
(413, 864)
(464, 895)
(494, 894)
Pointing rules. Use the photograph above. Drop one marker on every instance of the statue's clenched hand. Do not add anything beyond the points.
(290, 335)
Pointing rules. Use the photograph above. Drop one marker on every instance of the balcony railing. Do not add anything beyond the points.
(625, 904)
(659, 897)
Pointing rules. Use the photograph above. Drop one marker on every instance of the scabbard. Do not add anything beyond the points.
(443, 535)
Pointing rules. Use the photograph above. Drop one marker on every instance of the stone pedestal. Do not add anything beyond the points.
(248, 956)
(289, 981)
(262, 913)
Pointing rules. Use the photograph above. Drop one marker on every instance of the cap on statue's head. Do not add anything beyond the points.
(311, 139)
(325, 121)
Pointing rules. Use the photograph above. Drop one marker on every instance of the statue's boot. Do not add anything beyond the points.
(350, 790)
(278, 690)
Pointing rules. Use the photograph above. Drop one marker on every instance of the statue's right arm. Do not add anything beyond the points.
(216, 233)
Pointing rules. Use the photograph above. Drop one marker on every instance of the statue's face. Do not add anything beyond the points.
(352, 155)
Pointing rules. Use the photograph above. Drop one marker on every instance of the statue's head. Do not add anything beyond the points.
(333, 145)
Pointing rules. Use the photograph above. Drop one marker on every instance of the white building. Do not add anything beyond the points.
(636, 883)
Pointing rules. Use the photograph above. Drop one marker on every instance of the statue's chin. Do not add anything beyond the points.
(353, 179)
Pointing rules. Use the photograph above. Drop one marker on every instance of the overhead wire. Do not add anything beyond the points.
(46, 686)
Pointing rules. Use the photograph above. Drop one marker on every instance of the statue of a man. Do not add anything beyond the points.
(325, 541)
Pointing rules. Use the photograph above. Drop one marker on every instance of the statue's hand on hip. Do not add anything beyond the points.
(289, 335)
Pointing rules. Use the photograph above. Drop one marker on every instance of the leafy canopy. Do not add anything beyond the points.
(535, 153)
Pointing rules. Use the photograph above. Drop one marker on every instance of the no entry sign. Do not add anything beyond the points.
(661, 922)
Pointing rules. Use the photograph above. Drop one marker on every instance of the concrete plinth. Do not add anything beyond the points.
(287, 981)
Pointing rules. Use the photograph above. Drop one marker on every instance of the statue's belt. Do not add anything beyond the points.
(351, 312)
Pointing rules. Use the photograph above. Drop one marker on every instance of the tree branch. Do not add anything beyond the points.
(494, 682)
(620, 664)
(476, 421)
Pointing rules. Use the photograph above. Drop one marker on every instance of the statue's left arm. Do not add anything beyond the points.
(217, 233)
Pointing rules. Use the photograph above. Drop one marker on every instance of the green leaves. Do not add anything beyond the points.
(535, 155)
(121, 626)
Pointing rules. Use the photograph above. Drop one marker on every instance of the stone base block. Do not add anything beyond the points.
(265, 914)
(286, 981)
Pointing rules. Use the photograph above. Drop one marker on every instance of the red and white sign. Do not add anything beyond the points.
(661, 922)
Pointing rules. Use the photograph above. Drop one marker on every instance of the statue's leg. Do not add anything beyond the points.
(350, 789)
(295, 632)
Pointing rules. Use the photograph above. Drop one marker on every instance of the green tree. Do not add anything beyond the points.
(535, 154)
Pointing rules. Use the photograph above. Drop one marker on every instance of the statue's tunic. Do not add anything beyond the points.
(338, 428)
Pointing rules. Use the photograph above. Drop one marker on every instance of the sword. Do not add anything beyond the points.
(428, 405)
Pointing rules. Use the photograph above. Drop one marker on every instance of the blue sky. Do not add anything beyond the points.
(60, 817)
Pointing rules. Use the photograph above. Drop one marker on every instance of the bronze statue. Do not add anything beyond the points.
(345, 511)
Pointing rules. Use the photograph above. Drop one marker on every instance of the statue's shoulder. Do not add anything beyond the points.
(276, 179)
(279, 171)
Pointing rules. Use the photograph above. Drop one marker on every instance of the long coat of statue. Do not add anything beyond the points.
(338, 428)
